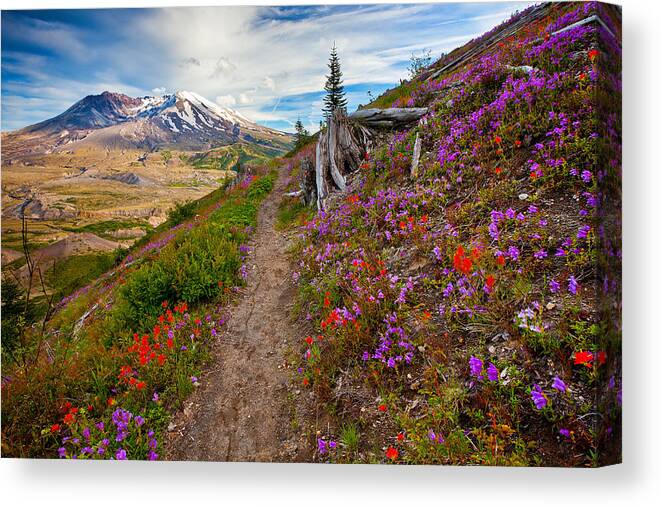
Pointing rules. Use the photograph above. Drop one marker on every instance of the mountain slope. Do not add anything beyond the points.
(116, 121)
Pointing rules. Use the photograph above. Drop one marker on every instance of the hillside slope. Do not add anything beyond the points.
(471, 314)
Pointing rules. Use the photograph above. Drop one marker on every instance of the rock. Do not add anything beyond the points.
(172, 426)
(550, 306)
(523, 196)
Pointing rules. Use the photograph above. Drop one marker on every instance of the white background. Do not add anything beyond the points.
(636, 482)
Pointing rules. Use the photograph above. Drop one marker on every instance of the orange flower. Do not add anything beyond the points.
(391, 453)
(585, 358)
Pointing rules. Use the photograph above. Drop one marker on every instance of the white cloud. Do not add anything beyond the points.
(159, 90)
(269, 83)
(244, 99)
(225, 100)
(251, 57)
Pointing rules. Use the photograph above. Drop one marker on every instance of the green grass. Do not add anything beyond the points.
(68, 275)
(103, 229)
(291, 212)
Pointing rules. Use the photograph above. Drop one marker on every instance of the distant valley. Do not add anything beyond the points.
(112, 166)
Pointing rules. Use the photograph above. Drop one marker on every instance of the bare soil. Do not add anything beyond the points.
(242, 409)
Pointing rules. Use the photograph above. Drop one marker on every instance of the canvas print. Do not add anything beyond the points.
(383, 233)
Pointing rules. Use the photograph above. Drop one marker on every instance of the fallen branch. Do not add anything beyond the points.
(391, 117)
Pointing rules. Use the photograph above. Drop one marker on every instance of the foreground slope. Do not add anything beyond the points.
(470, 314)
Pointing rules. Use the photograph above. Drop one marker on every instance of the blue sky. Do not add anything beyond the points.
(269, 63)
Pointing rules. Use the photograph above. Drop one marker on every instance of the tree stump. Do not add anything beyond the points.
(340, 150)
(308, 183)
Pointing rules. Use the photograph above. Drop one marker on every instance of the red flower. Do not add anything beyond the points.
(423, 219)
(400, 436)
(326, 300)
(305, 381)
(592, 54)
(55, 428)
(161, 359)
(111, 402)
(90, 408)
(382, 408)
(170, 343)
(585, 358)
(601, 357)
(461, 262)
(309, 340)
(517, 143)
(69, 418)
(140, 385)
(490, 282)
(500, 260)
(498, 139)
(164, 304)
(391, 453)
(498, 170)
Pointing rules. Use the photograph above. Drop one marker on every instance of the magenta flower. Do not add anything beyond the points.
(120, 454)
(492, 373)
(476, 367)
(565, 432)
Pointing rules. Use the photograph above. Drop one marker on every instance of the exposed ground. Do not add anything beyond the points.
(241, 411)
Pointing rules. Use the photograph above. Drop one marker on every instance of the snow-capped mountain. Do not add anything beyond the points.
(184, 120)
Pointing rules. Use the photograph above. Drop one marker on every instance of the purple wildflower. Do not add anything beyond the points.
(573, 285)
(120, 454)
(476, 367)
(492, 373)
(538, 397)
(559, 385)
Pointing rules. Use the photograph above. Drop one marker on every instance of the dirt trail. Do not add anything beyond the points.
(241, 410)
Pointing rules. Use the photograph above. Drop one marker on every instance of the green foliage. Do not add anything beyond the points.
(335, 97)
(181, 212)
(196, 266)
(14, 315)
(74, 272)
(166, 155)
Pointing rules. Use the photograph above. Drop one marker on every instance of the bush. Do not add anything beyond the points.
(181, 212)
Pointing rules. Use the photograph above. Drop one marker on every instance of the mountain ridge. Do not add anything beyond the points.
(111, 120)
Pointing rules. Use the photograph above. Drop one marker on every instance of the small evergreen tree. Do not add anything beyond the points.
(302, 135)
(335, 97)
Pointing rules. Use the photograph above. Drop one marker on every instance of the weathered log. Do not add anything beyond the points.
(416, 156)
(340, 150)
(391, 117)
